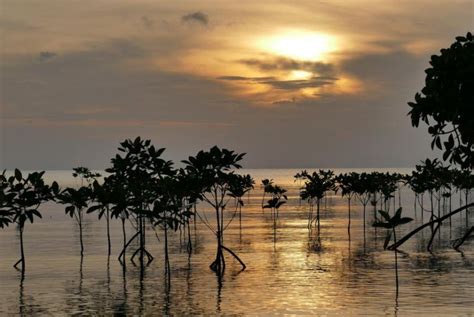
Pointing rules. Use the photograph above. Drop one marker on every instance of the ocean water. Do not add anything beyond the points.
(290, 270)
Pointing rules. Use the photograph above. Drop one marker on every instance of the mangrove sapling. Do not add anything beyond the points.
(166, 220)
(363, 194)
(22, 198)
(347, 184)
(189, 191)
(213, 169)
(102, 195)
(278, 199)
(388, 187)
(139, 171)
(114, 198)
(267, 185)
(464, 182)
(169, 214)
(76, 201)
(314, 189)
(390, 223)
(242, 184)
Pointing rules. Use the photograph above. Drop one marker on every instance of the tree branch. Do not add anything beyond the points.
(430, 223)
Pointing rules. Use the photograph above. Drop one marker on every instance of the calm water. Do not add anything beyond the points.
(289, 271)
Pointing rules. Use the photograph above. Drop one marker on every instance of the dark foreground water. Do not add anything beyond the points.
(289, 270)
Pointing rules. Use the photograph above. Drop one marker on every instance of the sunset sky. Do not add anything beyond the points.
(292, 83)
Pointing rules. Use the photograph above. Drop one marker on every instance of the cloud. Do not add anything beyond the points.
(313, 82)
(45, 56)
(198, 17)
(242, 78)
(287, 64)
(15, 25)
(147, 22)
(194, 124)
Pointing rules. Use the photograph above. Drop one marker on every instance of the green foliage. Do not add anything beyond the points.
(446, 103)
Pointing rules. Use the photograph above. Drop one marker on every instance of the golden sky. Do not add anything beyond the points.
(180, 70)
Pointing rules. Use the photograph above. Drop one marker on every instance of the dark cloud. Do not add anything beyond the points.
(15, 25)
(198, 17)
(241, 78)
(392, 69)
(45, 56)
(147, 22)
(287, 64)
(313, 82)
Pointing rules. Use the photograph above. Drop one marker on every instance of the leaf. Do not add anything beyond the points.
(18, 175)
(438, 143)
(385, 215)
(387, 240)
(30, 216)
(397, 216)
(93, 208)
(404, 220)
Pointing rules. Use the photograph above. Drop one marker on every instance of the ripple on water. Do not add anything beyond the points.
(290, 271)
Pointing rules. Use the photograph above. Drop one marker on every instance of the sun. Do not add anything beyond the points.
(299, 45)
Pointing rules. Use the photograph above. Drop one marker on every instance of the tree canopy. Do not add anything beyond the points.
(446, 103)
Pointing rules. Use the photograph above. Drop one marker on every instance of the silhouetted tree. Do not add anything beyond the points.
(446, 105)
(23, 197)
(267, 187)
(242, 184)
(391, 223)
(213, 171)
(139, 169)
(314, 189)
(347, 183)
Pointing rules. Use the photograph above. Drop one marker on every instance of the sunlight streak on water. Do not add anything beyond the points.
(289, 270)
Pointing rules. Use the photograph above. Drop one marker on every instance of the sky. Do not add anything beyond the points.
(290, 83)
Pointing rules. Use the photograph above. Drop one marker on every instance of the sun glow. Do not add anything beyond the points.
(299, 45)
(300, 75)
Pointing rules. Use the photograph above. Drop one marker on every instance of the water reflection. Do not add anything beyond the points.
(290, 270)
